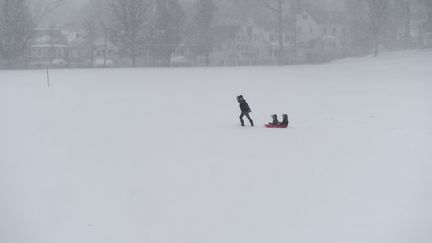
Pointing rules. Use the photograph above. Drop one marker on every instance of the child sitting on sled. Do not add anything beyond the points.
(285, 121)
(276, 124)
(275, 121)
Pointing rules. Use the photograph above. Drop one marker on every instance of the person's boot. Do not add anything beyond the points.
(251, 122)
(242, 123)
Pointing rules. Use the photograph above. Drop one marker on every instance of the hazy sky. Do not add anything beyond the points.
(79, 2)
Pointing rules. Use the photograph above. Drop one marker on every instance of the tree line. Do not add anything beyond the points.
(156, 28)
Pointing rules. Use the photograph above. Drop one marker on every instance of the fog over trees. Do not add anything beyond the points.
(132, 33)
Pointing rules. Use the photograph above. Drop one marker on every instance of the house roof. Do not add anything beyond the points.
(100, 41)
(271, 26)
(224, 33)
(324, 38)
(428, 26)
(77, 42)
(49, 37)
(327, 17)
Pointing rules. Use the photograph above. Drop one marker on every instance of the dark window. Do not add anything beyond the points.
(249, 31)
(59, 52)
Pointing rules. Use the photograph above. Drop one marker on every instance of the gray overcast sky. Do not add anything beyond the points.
(77, 1)
(80, 2)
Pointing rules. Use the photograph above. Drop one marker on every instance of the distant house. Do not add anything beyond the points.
(420, 26)
(427, 38)
(314, 36)
(80, 52)
(237, 45)
(425, 35)
(48, 48)
(271, 37)
(308, 28)
(323, 35)
(105, 53)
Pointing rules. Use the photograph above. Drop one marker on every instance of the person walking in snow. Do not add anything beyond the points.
(245, 110)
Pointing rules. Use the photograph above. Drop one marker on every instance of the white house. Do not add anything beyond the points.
(321, 35)
(271, 35)
(315, 37)
(239, 45)
(48, 48)
(105, 54)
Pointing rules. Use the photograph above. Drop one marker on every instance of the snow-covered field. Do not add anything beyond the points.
(158, 155)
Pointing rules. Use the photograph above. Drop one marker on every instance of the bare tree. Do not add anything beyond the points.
(428, 23)
(295, 9)
(377, 10)
(429, 7)
(205, 17)
(358, 22)
(41, 8)
(90, 36)
(16, 29)
(129, 18)
(92, 20)
(51, 49)
(18, 20)
(167, 29)
(278, 7)
(406, 16)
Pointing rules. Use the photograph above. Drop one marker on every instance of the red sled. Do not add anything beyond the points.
(275, 126)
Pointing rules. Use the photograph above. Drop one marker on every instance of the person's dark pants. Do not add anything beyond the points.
(247, 116)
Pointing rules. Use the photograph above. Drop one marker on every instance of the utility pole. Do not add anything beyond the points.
(279, 10)
(51, 49)
(48, 78)
(407, 15)
(105, 48)
(281, 32)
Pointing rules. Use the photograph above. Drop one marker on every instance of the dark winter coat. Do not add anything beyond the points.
(275, 121)
(244, 107)
(284, 122)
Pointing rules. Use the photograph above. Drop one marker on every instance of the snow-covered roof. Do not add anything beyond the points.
(49, 37)
(225, 33)
(48, 45)
(327, 17)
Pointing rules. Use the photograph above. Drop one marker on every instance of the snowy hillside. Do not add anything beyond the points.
(158, 155)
